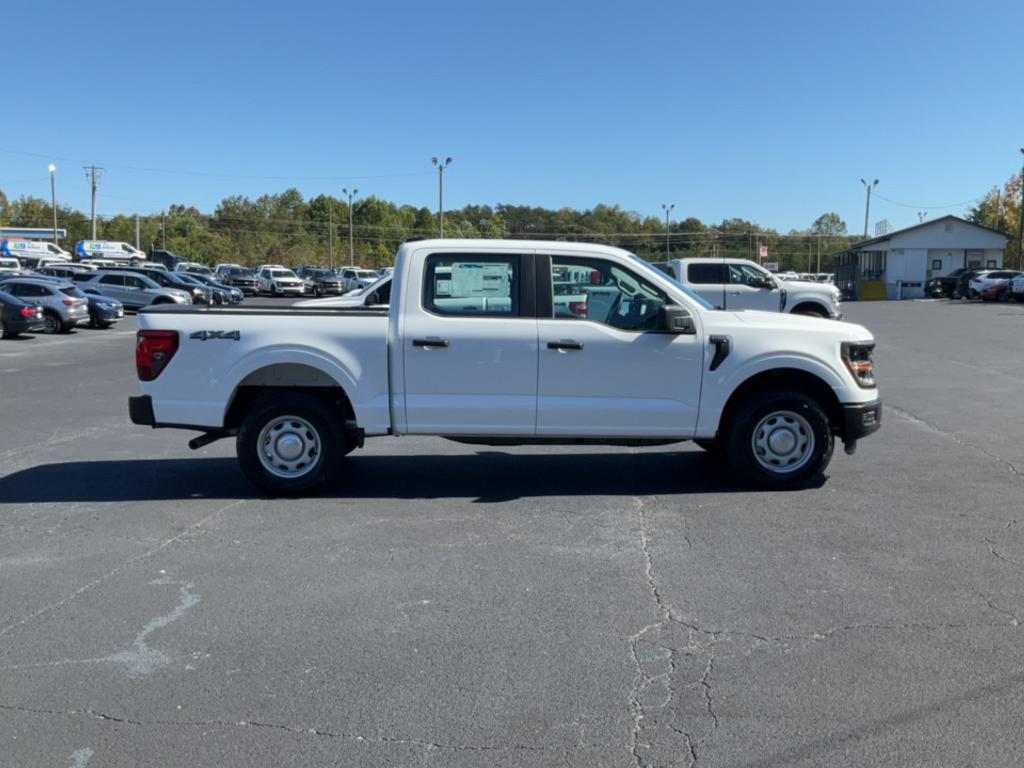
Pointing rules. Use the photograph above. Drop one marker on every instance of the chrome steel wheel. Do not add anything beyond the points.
(288, 447)
(783, 442)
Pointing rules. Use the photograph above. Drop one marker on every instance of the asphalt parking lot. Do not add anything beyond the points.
(441, 605)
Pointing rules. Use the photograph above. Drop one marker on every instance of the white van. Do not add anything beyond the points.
(33, 253)
(106, 249)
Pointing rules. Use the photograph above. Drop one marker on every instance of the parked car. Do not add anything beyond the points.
(983, 280)
(1017, 288)
(279, 282)
(199, 293)
(222, 294)
(133, 289)
(479, 356)
(64, 306)
(945, 285)
(741, 284)
(9, 265)
(104, 311)
(376, 294)
(18, 316)
(32, 253)
(322, 282)
(963, 280)
(241, 278)
(108, 250)
(193, 267)
(220, 270)
(357, 277)
(66, 271)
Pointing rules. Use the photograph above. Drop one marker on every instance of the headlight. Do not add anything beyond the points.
(857, 357)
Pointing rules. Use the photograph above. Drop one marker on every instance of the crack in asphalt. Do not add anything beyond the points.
(118, 570)
(643, 681)
(932, 427)
(301, 730)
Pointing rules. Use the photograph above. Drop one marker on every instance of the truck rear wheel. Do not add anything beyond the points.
(780, 440)
(290, 445)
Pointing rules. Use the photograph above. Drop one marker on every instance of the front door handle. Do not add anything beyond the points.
(430, 343)
(567, 344)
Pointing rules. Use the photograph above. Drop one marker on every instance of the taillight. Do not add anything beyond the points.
(68, 302)
(153, 351)
(28, 311)
(578, 308)
(857, 357)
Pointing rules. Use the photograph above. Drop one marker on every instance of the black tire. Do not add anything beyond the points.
(780, 413)
(53, 322)
(94, 321)
(8, 334)
(304, 420)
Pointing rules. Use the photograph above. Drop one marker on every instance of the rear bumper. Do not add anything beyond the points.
(861, 420)
(19, 325)
(140, 410)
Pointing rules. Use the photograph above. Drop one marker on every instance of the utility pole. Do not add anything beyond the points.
(440, 197)
(667, 208)
(136, 231)
(53, 197)
(353, 193)
(163, 232)
(818, 271)
(330, 238)
(1020, 220)
(92, 173)
(867, 209)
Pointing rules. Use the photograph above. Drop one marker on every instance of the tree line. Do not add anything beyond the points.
(285, 228)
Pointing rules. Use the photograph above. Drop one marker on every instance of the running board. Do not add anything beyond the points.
(634, 442)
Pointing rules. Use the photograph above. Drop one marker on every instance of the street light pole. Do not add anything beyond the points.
(867, 209)
(1020, 223)
(440, 194)
(353, 193)
(53, 197)
(667, 208)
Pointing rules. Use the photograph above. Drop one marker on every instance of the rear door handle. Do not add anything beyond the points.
(431, 342)
(567, 344)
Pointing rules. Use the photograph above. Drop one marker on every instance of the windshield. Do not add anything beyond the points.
(367, 290)
(281, 273)
(646, 267)
(366, 274)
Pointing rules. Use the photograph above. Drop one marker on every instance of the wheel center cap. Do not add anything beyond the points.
(782, 441)
(289, 447)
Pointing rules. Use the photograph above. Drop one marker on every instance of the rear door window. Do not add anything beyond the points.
(470, 285)
(707, 274)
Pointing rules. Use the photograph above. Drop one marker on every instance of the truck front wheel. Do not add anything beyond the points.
(290, 445)
(780, 441)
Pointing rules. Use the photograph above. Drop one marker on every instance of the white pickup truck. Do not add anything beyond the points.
(505, 343)
(741, 284)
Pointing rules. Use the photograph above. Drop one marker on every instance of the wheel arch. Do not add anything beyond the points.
(810, 306)
(785, 379)
(293, 378)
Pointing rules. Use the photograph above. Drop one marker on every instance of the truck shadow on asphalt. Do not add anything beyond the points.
(488, 477)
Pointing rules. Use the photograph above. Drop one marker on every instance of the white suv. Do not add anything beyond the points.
(279, 282)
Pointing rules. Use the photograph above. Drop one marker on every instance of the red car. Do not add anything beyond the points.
(995, 292)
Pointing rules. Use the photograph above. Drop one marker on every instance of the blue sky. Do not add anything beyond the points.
(766, 111)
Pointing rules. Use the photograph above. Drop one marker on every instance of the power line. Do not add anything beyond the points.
(220, 175)
(931, 207)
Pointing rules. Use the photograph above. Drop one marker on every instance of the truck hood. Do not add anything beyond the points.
(779, 322)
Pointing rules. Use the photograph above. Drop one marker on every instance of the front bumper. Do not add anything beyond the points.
(861, 420)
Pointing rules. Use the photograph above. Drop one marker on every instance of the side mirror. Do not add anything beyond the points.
(676, 320)
(767, 283)
(372, 299)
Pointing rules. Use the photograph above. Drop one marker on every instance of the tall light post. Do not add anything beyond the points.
(353, 193)
(667, 208)
(867, 209)
(53, 198)
(440, 196)
(1020, 217)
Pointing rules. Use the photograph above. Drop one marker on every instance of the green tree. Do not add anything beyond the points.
(828, 224)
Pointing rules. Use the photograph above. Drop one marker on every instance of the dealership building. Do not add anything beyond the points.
(897, 265)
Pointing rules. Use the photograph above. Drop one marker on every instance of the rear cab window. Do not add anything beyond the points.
(470, 285)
